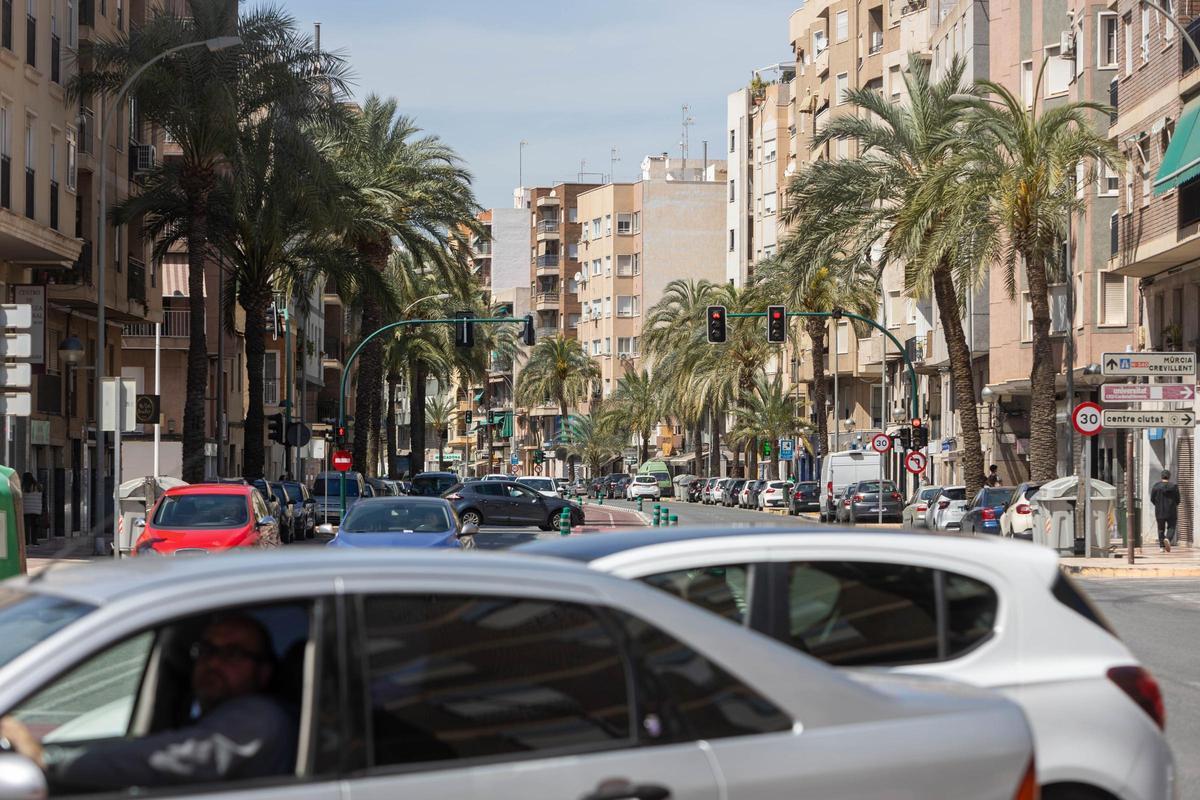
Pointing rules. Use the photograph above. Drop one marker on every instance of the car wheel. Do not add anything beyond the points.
(471, 517)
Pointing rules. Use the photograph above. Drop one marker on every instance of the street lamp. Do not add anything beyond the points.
(214, 44)
(418, 301)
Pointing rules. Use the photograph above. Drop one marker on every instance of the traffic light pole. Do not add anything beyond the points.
(341, 418)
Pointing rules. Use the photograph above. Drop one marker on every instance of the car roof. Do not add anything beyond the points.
(210, 488)
(406, 499)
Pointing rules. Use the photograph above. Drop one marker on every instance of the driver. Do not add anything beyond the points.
(237, 732)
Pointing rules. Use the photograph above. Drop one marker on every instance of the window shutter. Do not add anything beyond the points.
(1114, 299)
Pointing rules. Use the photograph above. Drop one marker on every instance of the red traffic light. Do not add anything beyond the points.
(916, 423)
(716, 315)
(777, 314)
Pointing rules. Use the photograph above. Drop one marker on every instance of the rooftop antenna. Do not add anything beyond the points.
(317, 36)
(613, 158)
(687, 122)
(582, 169)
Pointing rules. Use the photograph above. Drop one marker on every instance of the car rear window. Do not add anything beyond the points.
(431, 486)
(27, 619)
(661, 476)
(395, 517)
(929, 494)
(873, 486)
(997, 496)
(955, 494)
(201, 511)
(1065, 592)
(331, 487)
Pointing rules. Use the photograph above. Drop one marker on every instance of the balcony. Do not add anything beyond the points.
(547, 229)
(1189, 58)
(917, 350)
(546, 301)
(136, 281)
(545, 332)
(547, 264)
(549, 200)
(876, 43)
(176, 324)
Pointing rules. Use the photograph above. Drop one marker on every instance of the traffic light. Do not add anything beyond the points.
(468, 416)
(920, 434)
(464, 331)
(905, 438)
(716, 325)
(776, 324)
(275, 428)
(766, 448)
(538, 456)
(527, 336)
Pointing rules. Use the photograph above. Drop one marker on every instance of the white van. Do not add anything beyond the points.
(839, 470)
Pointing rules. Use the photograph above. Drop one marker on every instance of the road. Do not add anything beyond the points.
(1160, 621)
(700, 514)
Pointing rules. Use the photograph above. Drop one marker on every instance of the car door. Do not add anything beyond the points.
(971, 514)
(474, 696)
(491, 500)
(526, 507)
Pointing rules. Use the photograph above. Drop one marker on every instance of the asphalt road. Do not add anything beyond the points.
(700, 514)
(1160, 621)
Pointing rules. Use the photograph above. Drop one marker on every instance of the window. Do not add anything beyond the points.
(637, 222)
(443, 686)
(1168, 28)
(596, 228)
(731, 240)
(771, 153)
(1060, 320)
(895, 81)
(72, 160)
(608, 265)
(1114, 234)
(1106, 41)
(722, 590)
(608, 224)
(72, 25)
(597, 305)
(843, 338)
(1059, 71)
(624, 224)
(607, 346)
(30, 142)
(769, 203)
(595, 347)
(573, 320)
(607, 307)
(894, 309)
(732, 191)
(1027, 83)
(842, 26)
(572, 286)
(572, 214)
(1145, 35)
(627, 345)
(596, 266)
(732, 139)
(1026, 318)
(628, 305)
(573, 251)
(1110, 181)
(820, 43)
(627, 265)
(1142, 147)
(841, 85)
(1113, 300)
(1127, 26)
(842, 147)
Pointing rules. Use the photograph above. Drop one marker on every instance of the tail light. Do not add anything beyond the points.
(922, 507)
(1024, 509)
(895, 495)
(1142, 689)
(1029, 789)
(769, 491)
(829, 487)
(858, 498)
(455, 496)
(943, 504)
(988, 515)
(846, 503)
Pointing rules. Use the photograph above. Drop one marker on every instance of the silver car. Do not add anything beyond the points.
(916, 513)
(417, 675)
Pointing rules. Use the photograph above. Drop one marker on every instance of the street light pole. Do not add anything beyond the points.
(217, 43)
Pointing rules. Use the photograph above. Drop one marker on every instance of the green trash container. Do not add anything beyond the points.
(12, 540)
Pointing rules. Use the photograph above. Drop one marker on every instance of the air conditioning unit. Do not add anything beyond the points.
(1066, 44)
(145, 157)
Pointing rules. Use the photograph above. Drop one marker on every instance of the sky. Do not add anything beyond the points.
(572, 79)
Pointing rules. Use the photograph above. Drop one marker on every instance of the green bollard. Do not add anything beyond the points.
(639, 503)
(654, 519)
(564, 522)
(600, 499)
(674, 520)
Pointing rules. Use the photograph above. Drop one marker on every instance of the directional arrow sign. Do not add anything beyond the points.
(1144, 392)
(1118, 418)
(1148, 363)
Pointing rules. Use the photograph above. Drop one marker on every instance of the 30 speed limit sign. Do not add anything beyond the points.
(1088, 419)
(881, 443)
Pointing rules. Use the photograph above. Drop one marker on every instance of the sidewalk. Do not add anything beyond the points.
(1181, 562)
(75, 550)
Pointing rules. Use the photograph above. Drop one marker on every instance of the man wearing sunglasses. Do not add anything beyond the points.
(238, 731)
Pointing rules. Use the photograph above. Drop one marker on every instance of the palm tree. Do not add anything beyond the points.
(894, 197)
(440, 412)
(198, 96)
(635, 405)
(768, 413)
(593, 442)
(400, 189)
(558, 369)
(1020, 166)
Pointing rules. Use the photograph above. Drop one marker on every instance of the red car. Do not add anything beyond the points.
(207, 518)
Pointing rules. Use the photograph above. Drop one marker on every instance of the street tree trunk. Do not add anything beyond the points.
(714, 444)
(698, 446)
(644, 450)
(1043, 409)
(370, 367)
(815, 327)
(416, 417)
(256, 301)
(390, 462)
(562, 409)
(962, 377)
(197, 358)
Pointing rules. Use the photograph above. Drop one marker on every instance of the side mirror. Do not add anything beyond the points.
(325, 529)
(468, 530)
(140, 522)
(21, 779)
(265, 522)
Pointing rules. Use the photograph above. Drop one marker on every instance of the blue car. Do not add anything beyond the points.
(426, 522)
(983, 515)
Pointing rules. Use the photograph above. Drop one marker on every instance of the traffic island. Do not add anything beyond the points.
(609, 518)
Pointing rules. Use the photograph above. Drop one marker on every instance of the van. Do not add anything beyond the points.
(839, 470)
(660, 471)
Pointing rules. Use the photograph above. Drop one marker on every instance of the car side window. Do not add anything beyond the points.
(487, 489)
(472, 677)
(521, 492)
(970, 612)
(723, 590)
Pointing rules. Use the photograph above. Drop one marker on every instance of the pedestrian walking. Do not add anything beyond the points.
(993, 476)
(1165, 499)
(31, 507)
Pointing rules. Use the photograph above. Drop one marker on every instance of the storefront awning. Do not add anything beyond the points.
(479, 396)
(175, 279)
(1181, 162)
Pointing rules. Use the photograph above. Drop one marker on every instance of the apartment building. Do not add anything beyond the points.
(1154, 225)
(758, 118)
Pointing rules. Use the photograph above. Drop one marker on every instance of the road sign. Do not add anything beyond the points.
(127, 401)
(787, 449)
(1087, 419)
(342, 460)
(147, 409)
(881, 443)
(297, 435)
(915, 462)
(514, 459)
(1120, 418)
(1144, 392)
(1148, 363)
(16, 376)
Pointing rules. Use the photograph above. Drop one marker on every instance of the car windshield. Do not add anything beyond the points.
(930, 494)
(873, 486)
(539, 484)
(26, 619)
(331, 487)
(183, 511)
(395, 516)
(661, 476)
(956, 493)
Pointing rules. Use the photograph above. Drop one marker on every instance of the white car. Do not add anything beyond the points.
(717, 496)
(743, 498)
(1017, 519)
(774, 493)
(980, 610)
(948, 509)
(643, 486)
(543, 486)
(476, 677)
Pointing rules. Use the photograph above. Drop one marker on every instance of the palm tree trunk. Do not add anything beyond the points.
(255, 302)
(441, 451)
(1043, 406)
(392, 380)
(370, 366)
(698, 447)
(644, 450)
(714, 444)
(562, 409)
(416, 417)
(962, 377)
(197, 358)
(815, 327)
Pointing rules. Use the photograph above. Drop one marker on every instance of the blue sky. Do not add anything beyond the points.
(572, 79)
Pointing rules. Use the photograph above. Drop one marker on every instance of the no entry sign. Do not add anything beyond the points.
(915, 462)
(881, 443)
(1088, 419)
(342, 460)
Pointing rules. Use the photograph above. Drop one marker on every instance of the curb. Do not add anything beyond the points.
(1147, 572)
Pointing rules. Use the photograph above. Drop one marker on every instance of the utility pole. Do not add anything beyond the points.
(613, 158)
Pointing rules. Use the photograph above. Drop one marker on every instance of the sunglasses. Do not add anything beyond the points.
(203, 650)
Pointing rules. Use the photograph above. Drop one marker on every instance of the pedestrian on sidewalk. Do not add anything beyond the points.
(993, 476)
(1165, 499)
(31, 507)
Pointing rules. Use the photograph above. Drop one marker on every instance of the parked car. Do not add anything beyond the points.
(483, 677)
(643, 486)
(712, 492)
(1017, 519)
(545, 486)
(281, 507)
(304, 509)
(206, 518)
(869, 501)
(326, 490)
(403, 522)
(746, 496)
(773, 494)
(841, 502)
(839, 470)
(994, 614)
(983, 514)
(806, 496)
(604, 488)
(508, 503)
(383, 487)
(916, 513)
(496, 476)
(732, 492)
(618, 488)
(948, 508)
(433, 484)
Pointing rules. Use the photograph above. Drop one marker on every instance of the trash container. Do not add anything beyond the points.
(134, 494)
(12, 525)
(1054, 519)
